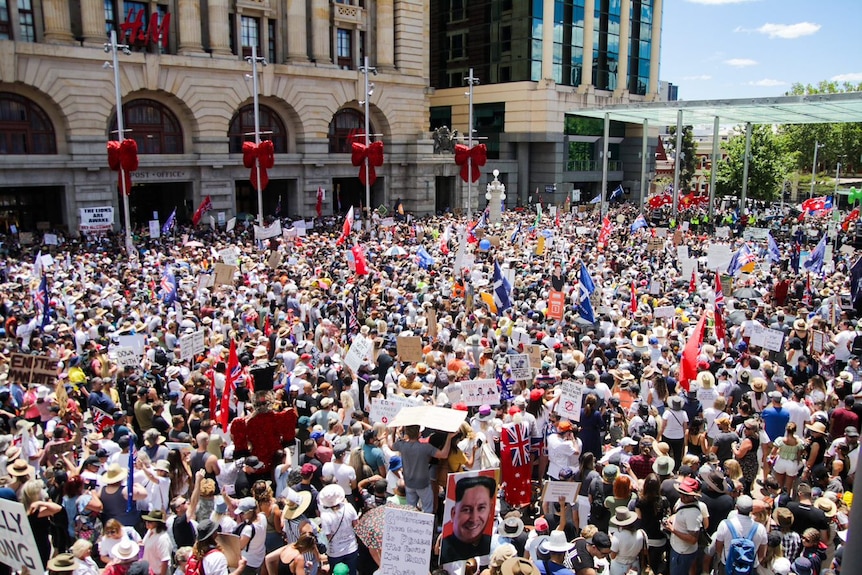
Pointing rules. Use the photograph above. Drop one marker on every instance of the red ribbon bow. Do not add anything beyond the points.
(374, 153)
(477, 154)
(264, 153)
(123, 158)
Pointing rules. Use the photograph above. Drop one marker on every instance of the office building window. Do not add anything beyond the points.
(456, 46)
(26, 22)
(110, 17)
(606, 48)
(5, 28)
(344, 48)
(250, 35)
(155, 128)
(270, 53)
(441, 116)
(457, 10)
(346, 126)
(242, 129)
(640, 46)
(24, 127)
(489, 122)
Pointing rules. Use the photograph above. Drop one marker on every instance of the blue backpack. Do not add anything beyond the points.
(741, 554)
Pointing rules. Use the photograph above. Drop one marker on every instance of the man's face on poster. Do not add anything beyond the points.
(470, 515)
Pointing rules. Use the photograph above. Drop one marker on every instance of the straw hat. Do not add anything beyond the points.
(816, 427)
(758, 384)
(115, 474)
(826, 506)
(297, 503)
(63, 562)
(622, 517)
(20, 469)
(519, 566)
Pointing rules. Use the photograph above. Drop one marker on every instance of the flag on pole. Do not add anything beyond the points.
(688, 365)
(605, 233)
(444, 240)
(234, 369)
(319, 206)
(206, 205)
(169, 223)
(424, 259)
(515, 464)
(169, 287)
(719, 293)
(617, 194)
(814, 263)
(130, 480)
(597, 199)
(741, 257)
(586, 287)
(502, 289)
(347, 227)
(38, 266)
(515, 234)
(633, 305)
(692, 284)
(101, 419)
(774, 252)
(640, 222)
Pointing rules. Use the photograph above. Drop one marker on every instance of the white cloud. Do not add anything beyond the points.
(698, 77)
(717, 2)
(851, 77)
(741, 62)
(768, 83)
(788, 31)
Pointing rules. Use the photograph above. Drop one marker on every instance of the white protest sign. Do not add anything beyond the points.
(756, 335)
(660, 232)
(407, 539)
(221, 218)
(688, 266)
(582, 230)
(718, 256)
(265, 233)
(17, 542)
(480, 392)
(47, 261)
(520, 364)
(50, 239)
(191, 344)
(229, 256)
(756, 234)
(722, 232)
(431, 416)
(125, 357)
(772, 339)
(553, 490)
(387, 222)
(155, 230)
(136, 342)
(667, 311)
(569, 405)
(231, 224)
(358, 352)
(99, 219)
(385, 410)
(682, 253)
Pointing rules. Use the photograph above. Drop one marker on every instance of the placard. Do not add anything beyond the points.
(231, 224)
(136, 342)
(99, 219)
(718, 256)
(407, 540)
(410, 348)
(57, 450)
(667, 311)
(387, 222)
(26, 238)
(274, 260)
(26, 369)
(688, 265)
(50, 240)
(772, 339)
(229, 256)
(17, 542)
(682, 253)
(655, 287)
(818, 341)
(556, 305)
(191, 344)
(385, 410)
(553, 490)
(571, 397)
(534, 350)
(756, 234)
(431, 318)
(520, 364)
(480, 392)
(358, 352)
(722, 232)
(660, 232)
(265, 233)
(223, 274)
(726, 284)
(440, 418)
(125, 357)
(582, 230)
(655, 244)
(155, 230)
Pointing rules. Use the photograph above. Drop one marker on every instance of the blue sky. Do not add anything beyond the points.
(758, 48)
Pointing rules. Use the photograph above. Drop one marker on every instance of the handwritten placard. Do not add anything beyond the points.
(39, 369)
(480, 392)
(571, 396)
(534, 350)
(17, 535)
(553, 490)
(667, 311)
(191, 344)
(385, 410)
(223, 274)
(818, 341)
(357, 353)
(229, 256)
(410, 348)
(407, 539)
(520, 364)
(126, 357)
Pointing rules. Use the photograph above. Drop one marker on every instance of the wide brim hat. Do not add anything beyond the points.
(557, 542)
(688, 486)
(297, 504)
(511, 528)
(125, 550)
(622, 517)
(714, 481)
(518, 566)
(115, 474)
(19, 468)
(63, 562)
(706, 380)
(207, 528)
(156, 516)
(663, 465)
(758, 384)
(816, 427)
(331, 495)
(800, 325)
(827, 506)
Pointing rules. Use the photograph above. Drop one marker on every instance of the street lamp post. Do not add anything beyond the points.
(253, 60)
(471, 81)
(837, 176)
(817, 146)
(369, 89)
(495, 193)
(113, 47)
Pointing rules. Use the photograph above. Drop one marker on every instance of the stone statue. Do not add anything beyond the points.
(444, 140)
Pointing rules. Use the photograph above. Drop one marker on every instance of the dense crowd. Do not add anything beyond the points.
(266, 435)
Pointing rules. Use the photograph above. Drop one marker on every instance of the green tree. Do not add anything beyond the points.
(688, 163)
(768, 166)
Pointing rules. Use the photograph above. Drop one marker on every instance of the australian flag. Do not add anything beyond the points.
(169, 287)
(774, 252)
(515, 464)
(424, 259)
(169, 223)
(814, 263)
(501, 290)
(640, 222)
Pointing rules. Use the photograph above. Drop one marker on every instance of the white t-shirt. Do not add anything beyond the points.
(673, 426)
(627, 544)
(743, 525)
(255, 551)
(344, 475)
(338, 526)
(157, 549)
(562, 454)
(215, 564)
(690, 520)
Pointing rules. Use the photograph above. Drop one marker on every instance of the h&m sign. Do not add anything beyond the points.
(137, 33)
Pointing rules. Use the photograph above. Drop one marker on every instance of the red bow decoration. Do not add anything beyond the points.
(374, 153)
(123, 158)
(477, 154)
(264, 153)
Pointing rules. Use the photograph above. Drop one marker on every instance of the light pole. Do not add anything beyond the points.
(495, 193)
(112, 47)
(254, 59)
(471, 81)
(837, 176)
(817, 146)
(369, 89)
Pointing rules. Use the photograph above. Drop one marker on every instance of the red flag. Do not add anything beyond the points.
(720, 326)
(267, 328)
(854, 215)
(101, 419)
(515, 464)
(347, 228)
(233, 372)
(557, 219)
(688, 365)
(444, 242)
(692, 285)
(605, 233)
(206, 205)
(213, 398)
(359, 260)
(634, 302)
(319, 201)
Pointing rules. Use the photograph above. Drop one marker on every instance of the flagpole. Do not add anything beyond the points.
(255, 88)
(113, 47)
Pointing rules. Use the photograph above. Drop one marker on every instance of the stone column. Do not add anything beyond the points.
(190, 26)
(320, 34)
(548, 40)
(58, 23)
(297, 38)
(385, 34)
(93, 23)
(655, 48)
(625, 40)
(589, 32)
(219, 27)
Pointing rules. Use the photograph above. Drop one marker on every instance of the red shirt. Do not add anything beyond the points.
(840, 420)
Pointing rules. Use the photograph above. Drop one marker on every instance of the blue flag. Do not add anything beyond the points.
(774, 252)
(814, 263)
(640, 222)
(502, 289)
(856, 281)
(586, 280)
(130, 480)
(735, 264)
(425, 259)
(617, 194)
(46, 303)
(587, 286)
(516, 233)
(169, 223)
(169, 287)
(596, 200)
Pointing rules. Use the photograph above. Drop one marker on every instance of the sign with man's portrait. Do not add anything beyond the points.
(468, 518)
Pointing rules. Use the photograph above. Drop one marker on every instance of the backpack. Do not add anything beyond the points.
(856, 348)
(741, 553)
(195, 566)
(238, 532)
(649, 427)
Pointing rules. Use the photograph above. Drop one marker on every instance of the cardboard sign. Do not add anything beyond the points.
(569, 405)
(410, 348)
(191, 344)
(677, 237)
(385, 410)
(26, 369)
(556, 305)
(480, 392)
(57, 450)
(520, 364)
(274, 260)
(655, 244)
(126, 357)
(440, 418)
(50, 240)
(25, 238)
(495, 241)
(407, 540)
(553, 490)
(726, 284)
(358, 352)
(229, 256)
(155, 230)
(534, 350)
(17, 541)
(223, 274)
(431, 317)
(136, 342)
(229, 544)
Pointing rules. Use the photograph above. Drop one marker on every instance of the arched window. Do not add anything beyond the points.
(346, 125)
(242, 129)
(24, 127)
(152, 126)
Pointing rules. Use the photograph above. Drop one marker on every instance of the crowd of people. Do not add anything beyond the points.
(259, 454)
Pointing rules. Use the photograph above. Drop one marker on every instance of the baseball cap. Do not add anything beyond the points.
(307, 469)
(541, 524)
